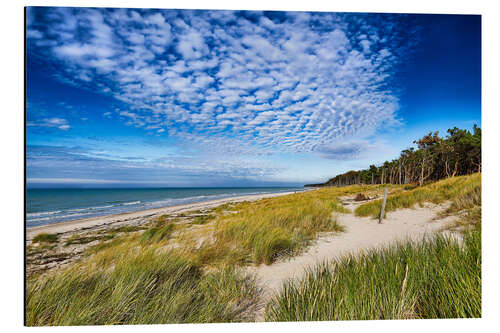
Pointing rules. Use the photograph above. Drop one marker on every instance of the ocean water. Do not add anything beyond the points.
(45, 206)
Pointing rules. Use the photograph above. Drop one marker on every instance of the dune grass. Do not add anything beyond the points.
(463, 190)
(46, 238)
(438, 278)
(470, 198)
(128, 285)
(467, 206)
(127, 228)
(262, 231)
(203, 219)
(84, 239)
(157, 233)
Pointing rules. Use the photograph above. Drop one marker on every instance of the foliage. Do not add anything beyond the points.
(459, 153)
(438, 278)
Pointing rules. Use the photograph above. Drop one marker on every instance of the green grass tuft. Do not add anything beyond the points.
(85, 239)
(128, 228)
(158, 233)
(438, 278)
(204, 219)
(46, 238)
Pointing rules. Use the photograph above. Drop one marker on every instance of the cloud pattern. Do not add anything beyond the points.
(69, 163)
(230, 81)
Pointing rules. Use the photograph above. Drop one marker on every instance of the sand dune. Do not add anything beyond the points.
(361, 234)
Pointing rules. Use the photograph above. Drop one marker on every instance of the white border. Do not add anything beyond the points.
(13, 162)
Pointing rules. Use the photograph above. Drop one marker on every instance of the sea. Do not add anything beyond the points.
(46, 206)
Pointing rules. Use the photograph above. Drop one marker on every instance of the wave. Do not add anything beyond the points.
(131, 203)
(101, 207)
(74, 213)
(60, 217)
(78, 209)
(43, 213)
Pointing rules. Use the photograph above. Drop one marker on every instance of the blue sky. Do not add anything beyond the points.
(119, 97)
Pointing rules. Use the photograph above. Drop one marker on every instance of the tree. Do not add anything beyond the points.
(459, 153)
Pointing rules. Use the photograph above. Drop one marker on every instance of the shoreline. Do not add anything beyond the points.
(140, 215)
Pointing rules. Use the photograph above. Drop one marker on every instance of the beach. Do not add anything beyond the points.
(40, 259)
(137, 217)
(255, 234)
(361, 234)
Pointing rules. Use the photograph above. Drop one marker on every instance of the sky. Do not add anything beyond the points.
(183, 98)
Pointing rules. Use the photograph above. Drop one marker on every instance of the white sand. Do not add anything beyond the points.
(361, 234)
(137, 217)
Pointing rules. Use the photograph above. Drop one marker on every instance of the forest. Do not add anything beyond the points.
(433, 158)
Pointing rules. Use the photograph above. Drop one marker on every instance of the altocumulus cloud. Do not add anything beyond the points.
(233, 81)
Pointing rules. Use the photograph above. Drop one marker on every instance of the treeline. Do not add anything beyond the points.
(457, 154)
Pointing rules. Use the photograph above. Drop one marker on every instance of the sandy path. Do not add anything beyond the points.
(361, 234)
(137, 217)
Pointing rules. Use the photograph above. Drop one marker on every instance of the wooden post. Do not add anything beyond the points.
(383, 207)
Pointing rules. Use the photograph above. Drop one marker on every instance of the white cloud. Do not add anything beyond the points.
(191, 45)
(59, 123)
(265, 86)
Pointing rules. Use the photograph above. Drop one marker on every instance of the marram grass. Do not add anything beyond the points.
(452, 189)
(123, 285)
(45, 238)
(265, 230)
(437, 278)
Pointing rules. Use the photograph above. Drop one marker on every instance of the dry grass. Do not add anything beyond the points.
(463, 191)
(262, 231)
(127, 284)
